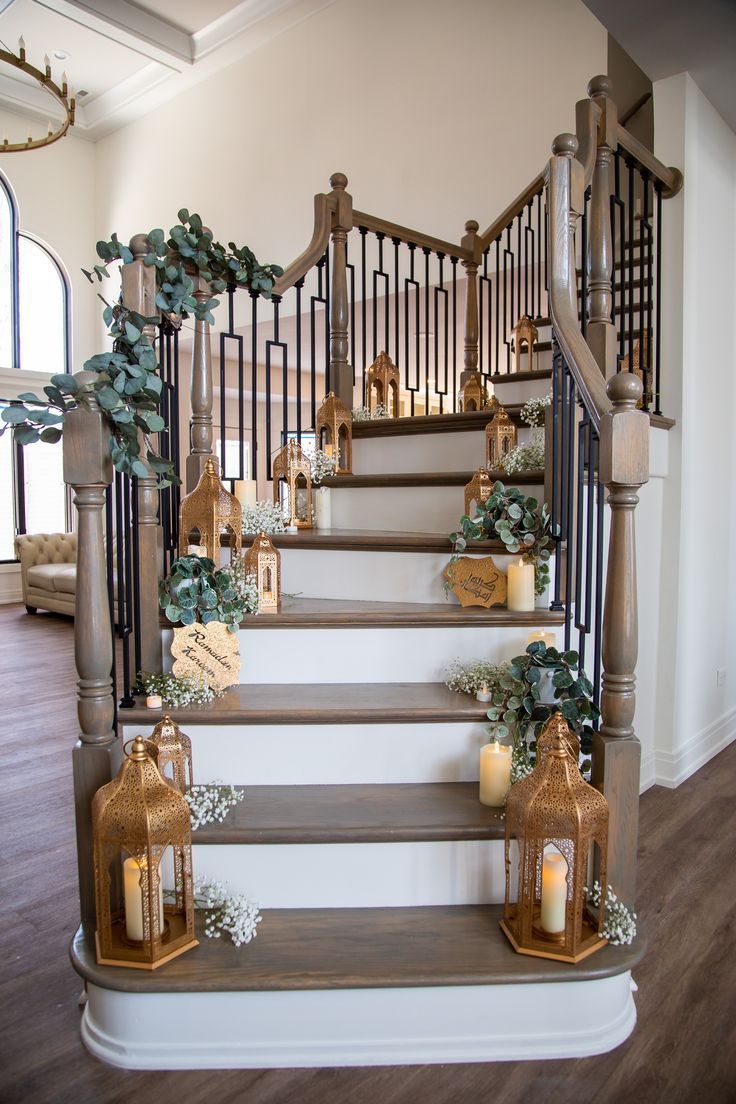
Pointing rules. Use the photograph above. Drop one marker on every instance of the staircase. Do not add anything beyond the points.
(379, 874)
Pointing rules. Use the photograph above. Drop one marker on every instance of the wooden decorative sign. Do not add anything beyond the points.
(210, 650)
(477, 582)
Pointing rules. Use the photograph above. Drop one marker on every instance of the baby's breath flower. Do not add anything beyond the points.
(212, 802)
(179, 692)
(233, 914)
(619, 923)
(264, 517)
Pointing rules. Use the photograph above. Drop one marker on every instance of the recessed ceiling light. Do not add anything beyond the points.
(61, 55)
(81, 93)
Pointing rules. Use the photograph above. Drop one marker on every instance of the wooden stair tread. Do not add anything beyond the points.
(361, 948)
(429, 479)
(431, 423)
(520, 377)
(373, 540)
(345, 613)
(392, 813)
(324, 703)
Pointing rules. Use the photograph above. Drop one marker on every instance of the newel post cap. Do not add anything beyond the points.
(601, 85)
(565, 145)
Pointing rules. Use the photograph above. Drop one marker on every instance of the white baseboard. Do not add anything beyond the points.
(358, 1027)
(671, 769)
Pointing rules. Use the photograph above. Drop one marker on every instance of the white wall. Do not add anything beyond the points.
(697, 624)
(437, 112)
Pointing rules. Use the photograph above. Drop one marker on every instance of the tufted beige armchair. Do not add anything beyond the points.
(48, 566)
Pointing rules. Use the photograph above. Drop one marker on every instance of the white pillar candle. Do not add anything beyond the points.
(246, 492)
(495, 773)
(323, 508)
(548, 639)
(154, 701)
(520, 589)
(134, 899)
(483, 694)
(554, 893)
(197, 550)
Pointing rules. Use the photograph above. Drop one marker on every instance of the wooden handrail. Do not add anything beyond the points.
(410, 237)
(507, 217)
(298, 269)
(670, 178)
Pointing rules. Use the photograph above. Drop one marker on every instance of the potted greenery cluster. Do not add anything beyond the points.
(197, 591)
(519, 522)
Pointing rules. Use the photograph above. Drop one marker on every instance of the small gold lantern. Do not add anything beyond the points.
(264, 561)
(473, 393)
(525, 333)
(500, 439)
(136, 818)
(292, 483)
(173, 753)
(479, 489)
(639, 363)
(556, 820)
(383, 384)
(210, 510)
(335, 433)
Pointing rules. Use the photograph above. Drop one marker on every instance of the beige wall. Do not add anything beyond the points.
(436, 111)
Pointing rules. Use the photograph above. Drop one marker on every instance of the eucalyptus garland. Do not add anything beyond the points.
(127, 383)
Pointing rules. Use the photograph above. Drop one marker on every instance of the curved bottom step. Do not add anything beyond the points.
(358, 1027)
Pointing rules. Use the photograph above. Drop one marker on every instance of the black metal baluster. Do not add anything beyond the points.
(630, 267)
(409, 281)
(298, 289)
(440, 293)
(363, 233)
(397, 341)
(579, 465)
(568, 497)
(254, 385)
(109, 542)
(453, 262)
(658, 304)
(557, 437)
(497, 364)
(598, 632)
(583, 310)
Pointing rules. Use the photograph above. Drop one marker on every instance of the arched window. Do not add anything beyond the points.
(34, 338)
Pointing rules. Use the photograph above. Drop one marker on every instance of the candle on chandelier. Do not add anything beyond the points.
(22, 48)
(520, 587)
(554, 893)
(495, 773)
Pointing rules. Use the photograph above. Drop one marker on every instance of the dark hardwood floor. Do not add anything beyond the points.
(683, 1049)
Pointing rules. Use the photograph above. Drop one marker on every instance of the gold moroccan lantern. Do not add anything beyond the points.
(210, 510)
(479, 489)
(524, 333)
(500, 439)
(173, 753)
(136, 818)
(264, 561)
(382, 385)
(556, 820)
(473, 393)
(334, 429)
(292, 483)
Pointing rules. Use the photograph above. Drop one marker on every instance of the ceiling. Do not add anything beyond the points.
(125, 57)
(665, 37)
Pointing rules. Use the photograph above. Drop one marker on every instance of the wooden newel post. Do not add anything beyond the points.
(341, 372)
(88, 470)
(470, 358)
(139, 294)
(601, 332)
(200, 394)
(624, 468)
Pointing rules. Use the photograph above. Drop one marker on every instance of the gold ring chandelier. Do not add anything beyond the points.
(61, 93)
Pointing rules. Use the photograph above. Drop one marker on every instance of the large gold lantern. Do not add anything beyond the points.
(383, 384)
(500, 439)
(264, 561)
(479, 489)
(334, 428)
(209, 511)
(473, 393)
(557, 822)
(141, 824)
(173, 753)
(524, 333)
(292, 483)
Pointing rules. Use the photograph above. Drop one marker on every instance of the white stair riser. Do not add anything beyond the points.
(358, 1027)
(378, 576)
(419, 452)
(318, 655)
(311, 755)
(512, 391)
(408, 509)
(358, 875)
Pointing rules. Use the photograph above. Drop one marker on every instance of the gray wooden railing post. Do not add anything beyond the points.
(139, 294)
(341, 373)
(624, 468)
(601, 331)
(470, 358)
(201, 431)
(88, 470)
